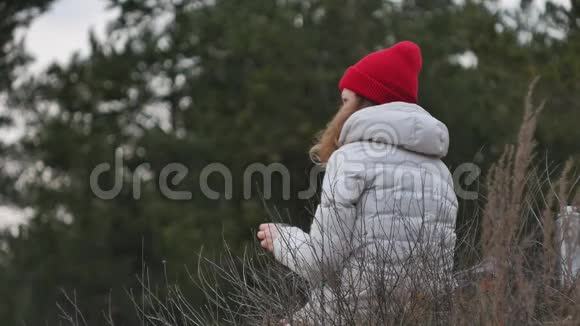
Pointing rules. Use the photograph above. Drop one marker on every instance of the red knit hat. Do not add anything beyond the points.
(388, 75)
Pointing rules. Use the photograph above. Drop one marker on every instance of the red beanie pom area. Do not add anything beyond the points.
(389, 75)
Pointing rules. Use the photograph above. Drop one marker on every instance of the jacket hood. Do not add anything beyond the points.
(401, 124)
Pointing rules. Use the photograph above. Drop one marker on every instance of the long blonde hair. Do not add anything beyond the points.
(326, 141)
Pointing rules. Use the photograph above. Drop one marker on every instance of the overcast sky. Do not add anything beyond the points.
(64, 29)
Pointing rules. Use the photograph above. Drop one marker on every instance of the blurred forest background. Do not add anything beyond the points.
(235, 82)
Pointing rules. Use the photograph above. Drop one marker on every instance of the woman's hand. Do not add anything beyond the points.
(267, 234)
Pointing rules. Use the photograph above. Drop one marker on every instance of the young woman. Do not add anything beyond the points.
(387, 210)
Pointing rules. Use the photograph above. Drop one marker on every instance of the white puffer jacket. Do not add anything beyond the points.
(386, 197)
